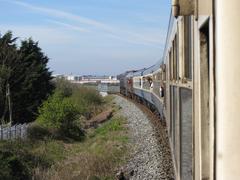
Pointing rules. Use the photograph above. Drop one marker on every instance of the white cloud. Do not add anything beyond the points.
(69, 26)
(141, 38)
(46, 35)
(61, 14)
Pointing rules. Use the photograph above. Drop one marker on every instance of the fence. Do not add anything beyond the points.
(13, 132)
(109, 87)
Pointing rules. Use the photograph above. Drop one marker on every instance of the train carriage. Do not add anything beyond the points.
(195, 88)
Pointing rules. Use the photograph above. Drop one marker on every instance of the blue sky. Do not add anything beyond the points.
(91, 36)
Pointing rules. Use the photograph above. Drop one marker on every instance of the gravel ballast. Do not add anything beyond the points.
(150, 157)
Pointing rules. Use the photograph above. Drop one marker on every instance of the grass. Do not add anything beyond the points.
(97, 157)
(52, 150)
(111, 126)
(43, 157)
(18, 159)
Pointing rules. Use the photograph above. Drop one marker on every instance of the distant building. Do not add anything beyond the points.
(70, 78)
(109, 87)
(88, 79)
(97, 79)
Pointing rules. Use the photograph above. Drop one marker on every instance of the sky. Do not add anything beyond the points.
(98, 37)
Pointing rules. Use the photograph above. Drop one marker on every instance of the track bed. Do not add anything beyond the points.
(150, 155)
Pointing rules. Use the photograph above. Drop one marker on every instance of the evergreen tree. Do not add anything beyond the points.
(28, 77)
(8, 57)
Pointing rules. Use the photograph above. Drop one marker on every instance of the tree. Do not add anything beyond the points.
(58, 113)
(33, 81)
(8, 56)
(25, 70)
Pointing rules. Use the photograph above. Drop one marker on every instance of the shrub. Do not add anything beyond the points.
(15, 161)
(86, 100)
(12, 166)
(19, 159)
(61, 115)
(64, 87)
(73, 130)
(37, 132)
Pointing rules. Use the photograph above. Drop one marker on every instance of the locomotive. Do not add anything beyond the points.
(195, 88)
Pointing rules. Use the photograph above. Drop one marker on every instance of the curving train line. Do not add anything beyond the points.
(195, 88)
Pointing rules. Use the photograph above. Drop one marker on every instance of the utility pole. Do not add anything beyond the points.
(8, 94)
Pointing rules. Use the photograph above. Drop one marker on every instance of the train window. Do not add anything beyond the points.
(157, 80)
(171, 113)
(165, 75)
(188, 47)
(165, 91)
(171, 64)
(160, 76)
(175, 62)
(176, 58)
(144, 83)
(205, 89)
(163, 67)
(174, 121)
(186, 157)
(136, 82)
(168, 69)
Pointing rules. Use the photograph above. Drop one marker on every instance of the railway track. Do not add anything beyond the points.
(150, 156)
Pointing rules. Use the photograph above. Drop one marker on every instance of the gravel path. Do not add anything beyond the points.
(150, 155)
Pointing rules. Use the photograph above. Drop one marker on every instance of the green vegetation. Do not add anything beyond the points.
(87, 101)
(114, 125)
(57, 146)
(98, 156)
(56, 111)
(20, 158)
(25, 80)
(60, 115)
(102, 151)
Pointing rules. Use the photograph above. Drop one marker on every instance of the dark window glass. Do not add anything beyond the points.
(188, 48)
(186, 133)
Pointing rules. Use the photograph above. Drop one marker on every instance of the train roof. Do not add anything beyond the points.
(139, 72)
(171, 26)
(152, 68)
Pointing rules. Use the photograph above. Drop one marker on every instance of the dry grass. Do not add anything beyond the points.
(98, 157)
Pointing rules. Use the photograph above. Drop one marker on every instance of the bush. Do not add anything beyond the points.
(61, 112)
(64, 87)
(19, 159)
(60, 115)
(12, 167)
(86, 100)
(74, 130)
(15, 162)
(37, 132)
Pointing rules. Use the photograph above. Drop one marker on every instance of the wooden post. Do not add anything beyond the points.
(10, 133)
(9, 103)
(15, 129)
(20, 128)
(1, 132)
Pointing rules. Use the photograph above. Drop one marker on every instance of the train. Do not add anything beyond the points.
(195, 88)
